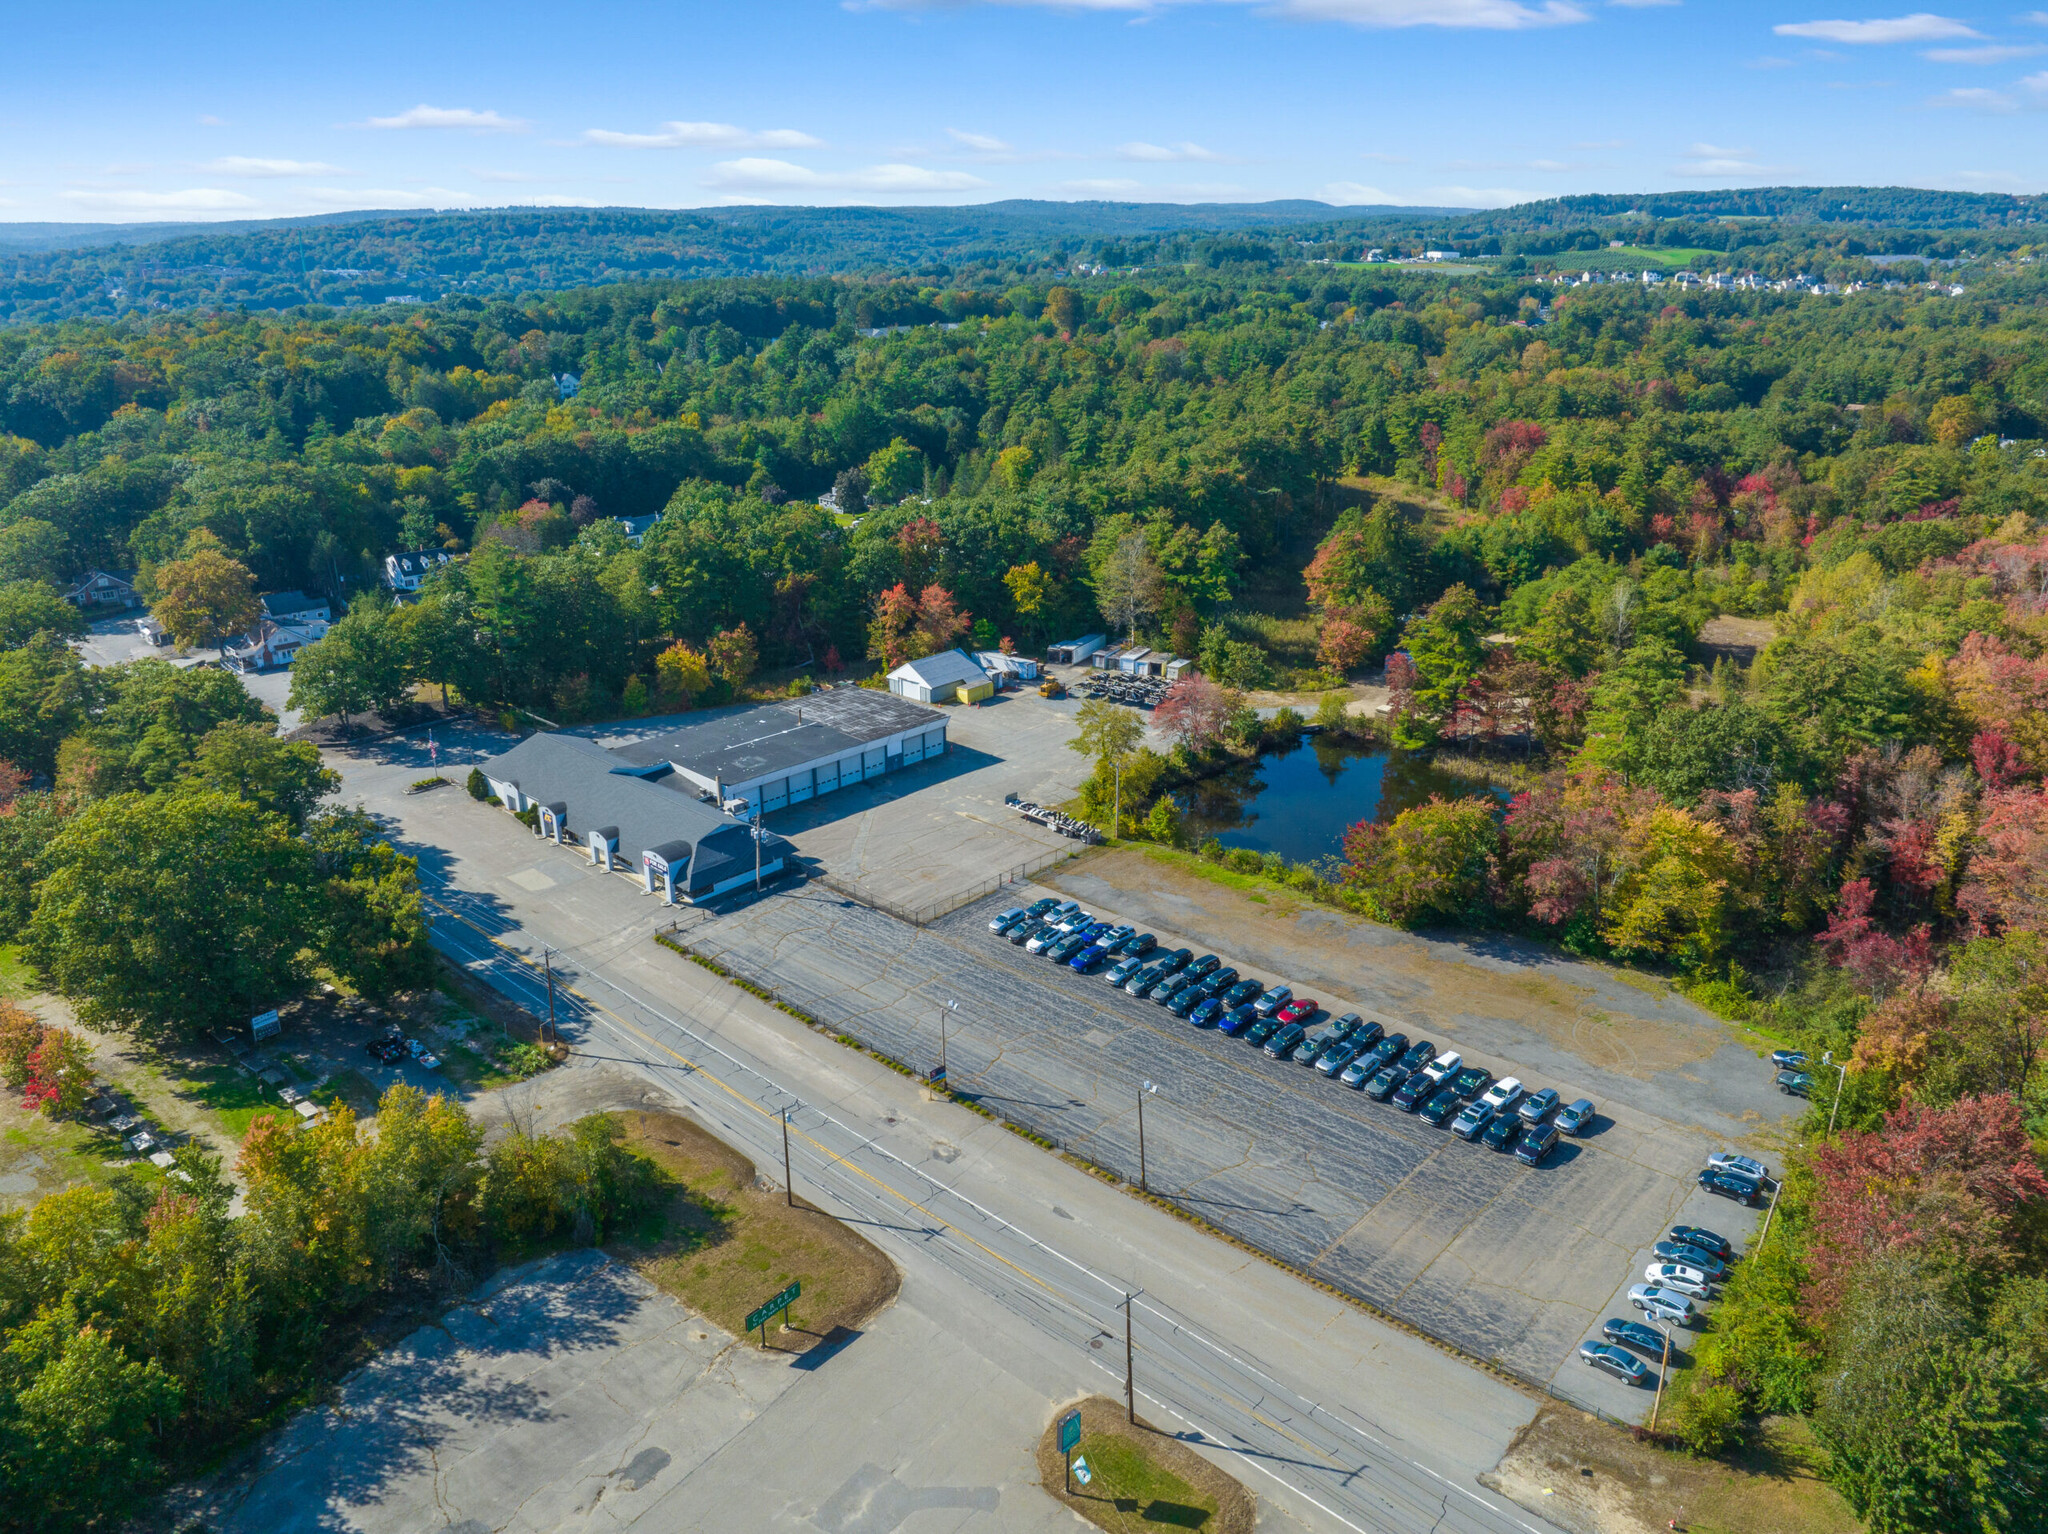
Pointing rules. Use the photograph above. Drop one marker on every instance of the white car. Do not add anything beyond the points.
(1074, 922)
(1002, 919)
(1744, 1166)
(1040, 941)
(1503, 1093)
(1676, 1275)
(1443, 1065)
(1661, 1304)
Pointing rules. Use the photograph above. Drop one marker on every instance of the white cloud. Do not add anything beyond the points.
(1994, 54)
(244, 165)
(1105, 186)
(1355, 194)
(1990, 177)
(460, 118)
(987, 143)
(197, 199)
(1715, 162)
(1542, 165)
(675, 135)
(783, 176)
(1490, 15)
(1768, 61)
(1978, 97)
(517, 177)
(208, 120)
(1920, 27)
(1160, 154)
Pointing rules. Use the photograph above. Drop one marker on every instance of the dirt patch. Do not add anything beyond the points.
(1737, 639)
(1424, 982)
(1588, 1478)
(730, 1239)
(1143, 1479)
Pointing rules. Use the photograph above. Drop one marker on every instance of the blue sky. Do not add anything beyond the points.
(124, 111)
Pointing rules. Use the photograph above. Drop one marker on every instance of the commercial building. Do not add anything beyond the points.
(633, 816)
(1006, 670)
(785, 753)
(947, 677)
(1074, 652)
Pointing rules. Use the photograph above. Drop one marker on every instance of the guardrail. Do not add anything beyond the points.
(952, 900)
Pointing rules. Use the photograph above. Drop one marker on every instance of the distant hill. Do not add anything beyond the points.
(61, 271)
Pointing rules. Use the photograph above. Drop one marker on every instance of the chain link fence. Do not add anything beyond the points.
(952, 900)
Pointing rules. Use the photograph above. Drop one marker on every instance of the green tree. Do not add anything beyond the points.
(174, 914)
(894, 472)
(1629, 700)
(205, 597)
(1688, 752)
(248, 761)
(32, 550)
(1435, 863)
(27, 830)
(1107, 734)
(361, 665)
(371, 924)
(733, 655)
(1446, 646)
(1566, 634)
(28, 608)
(44, 695)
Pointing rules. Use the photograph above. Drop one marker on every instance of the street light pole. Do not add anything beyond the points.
(1841, 1080)
(1144, 1185)
(788, 1182)
(547, 963)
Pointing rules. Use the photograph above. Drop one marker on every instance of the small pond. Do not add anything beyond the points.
(1300, 800)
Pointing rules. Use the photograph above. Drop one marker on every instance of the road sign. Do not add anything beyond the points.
(781, 1301)
(1081, 1471)
(1070, 1431)
(936, 1076)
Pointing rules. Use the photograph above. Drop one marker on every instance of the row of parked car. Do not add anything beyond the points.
(1437, 1086)
(1689, 1260)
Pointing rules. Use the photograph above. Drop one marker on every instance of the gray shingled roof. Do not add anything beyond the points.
(648, 812)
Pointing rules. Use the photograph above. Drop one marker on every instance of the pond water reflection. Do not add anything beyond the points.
(1300, 800)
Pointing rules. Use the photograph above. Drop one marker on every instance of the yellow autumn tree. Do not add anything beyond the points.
(1671, 901)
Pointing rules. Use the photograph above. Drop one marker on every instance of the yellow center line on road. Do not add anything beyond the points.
(833, 1156)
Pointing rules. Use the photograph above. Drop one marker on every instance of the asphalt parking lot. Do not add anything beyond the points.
(1512, 1264)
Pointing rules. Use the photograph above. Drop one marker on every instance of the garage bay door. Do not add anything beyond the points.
(800, 786)
(874, 763)
(775, 796)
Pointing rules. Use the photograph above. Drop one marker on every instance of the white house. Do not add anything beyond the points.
(940, 678)
(637, 527)
(271, 644)
(409, 571)
(296, 607)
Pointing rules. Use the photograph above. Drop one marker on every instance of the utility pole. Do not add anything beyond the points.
(788, 1182)
(1116, 814)
(1770, 1214)
(1841, 1080)
(951, 1006)
(1130, 1376)
(547, 963)
(1666, 1369)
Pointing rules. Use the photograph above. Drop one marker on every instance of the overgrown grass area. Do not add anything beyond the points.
(726, 1242)
(1140, 1479)
(233, 1099)
(40, 1156)
(15, 979)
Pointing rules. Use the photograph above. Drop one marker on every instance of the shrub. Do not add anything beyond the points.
(478, 785)
(1708, 1419)
(1242, 860)
(1211, 851)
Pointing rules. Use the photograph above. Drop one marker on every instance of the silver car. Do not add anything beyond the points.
(1662, 1304)
(1575, 1116)
(1003, 919)
(1690, 1282)
(1741, 1166)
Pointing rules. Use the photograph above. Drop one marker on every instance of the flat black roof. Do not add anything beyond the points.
(779, 737)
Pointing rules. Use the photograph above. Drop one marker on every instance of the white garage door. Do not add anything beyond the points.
(800, 786)
(874, 763)
(775, 796)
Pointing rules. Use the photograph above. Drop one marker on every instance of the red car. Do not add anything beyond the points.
(1300, 1010)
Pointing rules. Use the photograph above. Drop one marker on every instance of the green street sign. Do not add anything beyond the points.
(1070, 1431)
(781, 1301)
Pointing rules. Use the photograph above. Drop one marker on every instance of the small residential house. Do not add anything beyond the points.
(99, 590)
(409, 571)
(637, 527)
(271, 644)
(947, 677)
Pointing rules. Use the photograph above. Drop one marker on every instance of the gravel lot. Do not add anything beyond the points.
(1510, 1263)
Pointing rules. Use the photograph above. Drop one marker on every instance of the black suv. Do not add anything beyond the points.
(1243, 993)
(1418, 1056)
(1440, 1107)
(1413, 1092)
(1204, 965)
(1502, 1133)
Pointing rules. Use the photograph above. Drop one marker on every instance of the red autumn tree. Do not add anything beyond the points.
(1193, 712)
(1933, 1178)
(1876, 961)
(939, 626)
(1572, 834)
(2007, 885)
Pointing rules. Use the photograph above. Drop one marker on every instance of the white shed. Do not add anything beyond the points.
(940, 678)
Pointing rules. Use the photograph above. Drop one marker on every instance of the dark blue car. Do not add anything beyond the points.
(1234, 1020)
(1086, 960)
(1208, 1012)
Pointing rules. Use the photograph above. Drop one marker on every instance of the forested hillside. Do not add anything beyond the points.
(341, 259)
(1294, 471)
